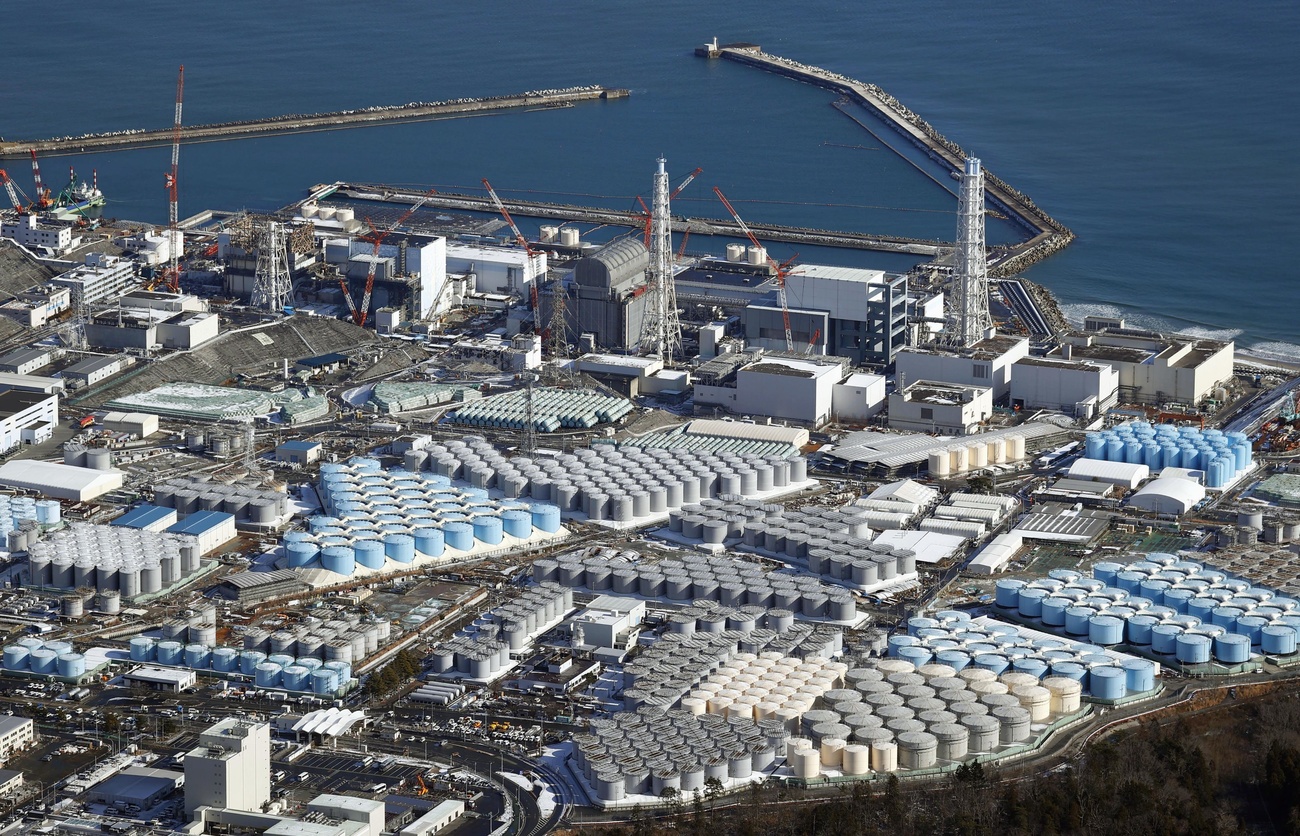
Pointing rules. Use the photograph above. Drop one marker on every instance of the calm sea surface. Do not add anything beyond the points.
(1162, 133)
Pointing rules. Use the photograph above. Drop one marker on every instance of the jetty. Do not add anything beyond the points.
(309, 122)
(636, 220)
(1046, 235)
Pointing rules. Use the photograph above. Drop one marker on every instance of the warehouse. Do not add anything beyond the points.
(211, 529)
(147, 518)
(436, 819)
(298, 452)
(167, 680)
(28, 360)
(140, 786)
(255, 587)
(799, 390)
(1172, 493)
(138, 424)
(1116, 473)
(32, 383)
(59, 481)
(888, 454)
(935, 407)
(997, 554)
(1081, 388)
(92, 370)
(1063, 524)
(986, 363)
(26, 418)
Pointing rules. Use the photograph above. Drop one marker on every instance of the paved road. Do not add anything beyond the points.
(1263, 407)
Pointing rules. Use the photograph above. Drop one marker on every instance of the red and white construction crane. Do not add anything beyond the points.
(172, 274)
(42, 194)
(521, 241)
(20, 204)
(359, 315)
(672, 196)
(781, 269)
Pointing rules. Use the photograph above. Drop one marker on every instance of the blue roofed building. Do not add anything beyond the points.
(212, 529)
(148, 518)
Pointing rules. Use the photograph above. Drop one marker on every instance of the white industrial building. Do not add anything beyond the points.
(607, 622)
(1082, 388)
(39, 233)
(35, 307)
(16, 734)
(26, 418)
(633, 376)
(59, 481)
(436, 820)
(860, 397)
(28, 360)
(164, 680)
(146, 329)
(1153, 368)
(776, 387)
(230, 766)
(986, 363)
(139, 424)
(505, 270)
(937, 407)
(325, 815)
(92, 370)
(1115, 473)
(32, 383)
(103, 278)
(997, 554)
(152, 247)
(409, 273)
(1176, 491)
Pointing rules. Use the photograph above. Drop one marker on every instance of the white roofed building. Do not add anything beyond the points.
(59, 481)
(1116, 473)
(1172, 493)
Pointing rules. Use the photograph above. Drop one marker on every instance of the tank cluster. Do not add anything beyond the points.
(375, 516)
(551, 410)
(1177, 608)
(610, 483)
(285, 671)
(55, 658)
(245, 502)
(509, 627)
(698, 577)
(22, 519)
(112, 558)
(1221, 455)
(967, 455)
(951, 638)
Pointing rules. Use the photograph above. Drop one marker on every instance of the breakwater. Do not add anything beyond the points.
(1046, 234)
(308, 122)
(636, 220)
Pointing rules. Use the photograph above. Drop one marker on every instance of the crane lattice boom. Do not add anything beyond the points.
(359, 316)
(780, 269)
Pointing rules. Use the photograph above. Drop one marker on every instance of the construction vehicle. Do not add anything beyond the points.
(359, 315)
(781, 270)
(422, 789)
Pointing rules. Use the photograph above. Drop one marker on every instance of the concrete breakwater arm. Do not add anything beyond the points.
(1046, 234)
(302, 123)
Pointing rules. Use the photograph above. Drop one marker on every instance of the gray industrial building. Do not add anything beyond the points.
(608, 297)
(140, 786)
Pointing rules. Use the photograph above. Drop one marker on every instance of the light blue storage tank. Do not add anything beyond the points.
(1105, 630)
(1151, 455)
(1007, 592)
(1169, 456)
(1071, 670)
(170, 653)
(284, 660)
(400, 547)
(1232, 649)
(311, 663)
(1106, 571)
(59, 647)
(1177, 599)
(1275, 639)
(301, 553)
(225, 659)
(899, 641)
(15, 657)
(958, 660)
(1139, 629)
(1241, 454)
(369, 553)
(1226, 617)
(142, 649)
(1114, 449)
(316, 524)
(1030, 665)
(1133, 451)
(268, 675)
(198, 656)
(338, 559)
(1094, 446)
(1193, 648)
(1252, 627)
(517, 523)
(343, 669)
(459, 535)
(488, 530)
(1154, 588)
(1076, 620)
(43, 660)
(48, 512)
(324, 682)
(1107, 683)
(295, 678)
(1202, 608)
(1129, 581)
(996, 663)
(1139, 675)
(71, 665)
(1031, 602)
(1204, 458)
(1054, 611)
(428, 541)
(916, 654)
(920, 622)
(249, 660)
(1164, 638)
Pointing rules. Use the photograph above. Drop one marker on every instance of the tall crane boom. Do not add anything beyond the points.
(171, 180)
(690, 177)
(360, 315)
(42, 193)
(501, 207)
(20, 205)
(781, 270)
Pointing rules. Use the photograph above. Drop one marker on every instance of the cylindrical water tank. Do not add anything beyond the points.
(267, 675)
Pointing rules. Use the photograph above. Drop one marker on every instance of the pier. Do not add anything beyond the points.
(1046, 235)
(309, 123)
(636, 220)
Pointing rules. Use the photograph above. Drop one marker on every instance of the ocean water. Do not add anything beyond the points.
(1160, 132)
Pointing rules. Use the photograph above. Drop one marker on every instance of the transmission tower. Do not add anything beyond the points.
(74, 332)
(272, 288)
(968, 309)
(558, 326)
(661, 332)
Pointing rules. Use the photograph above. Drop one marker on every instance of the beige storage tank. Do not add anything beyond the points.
(549, 233)
(978, 455)
(757, 255)
(570, 237)
(1035, 698)
(972, 675)
(1015, 448)
(1066, 694)
(1015, 679)
(832, 749)
(856, 759)
(960, 459)
(998, 451)
(694, 705)
(345, 214)
(736, 253)
(806, 764)
(884, 756)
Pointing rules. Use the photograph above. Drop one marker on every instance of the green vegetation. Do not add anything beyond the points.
(404, 667)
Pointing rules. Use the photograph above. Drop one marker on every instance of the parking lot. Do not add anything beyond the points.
(318, 772)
